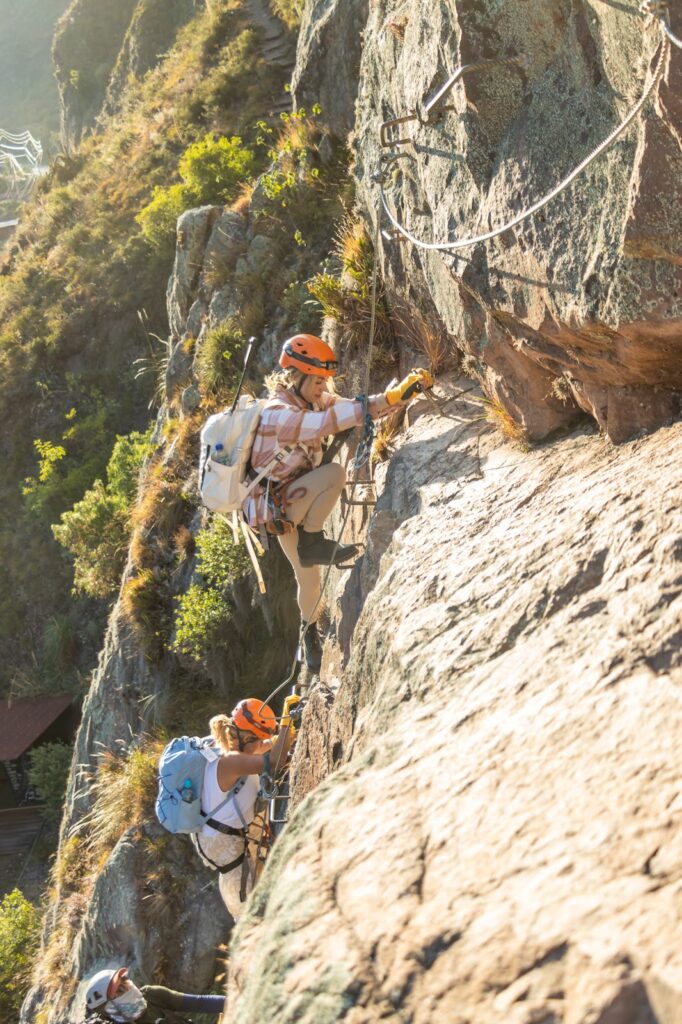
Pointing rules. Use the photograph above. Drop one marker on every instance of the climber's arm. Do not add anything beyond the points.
(236, 763)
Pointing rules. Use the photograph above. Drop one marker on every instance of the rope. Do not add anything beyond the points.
(353, 484)
(658, 10)
(668, 37)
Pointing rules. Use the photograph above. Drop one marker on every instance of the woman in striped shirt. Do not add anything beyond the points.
(301, 492)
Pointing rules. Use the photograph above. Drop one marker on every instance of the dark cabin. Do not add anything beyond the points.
(24, 725)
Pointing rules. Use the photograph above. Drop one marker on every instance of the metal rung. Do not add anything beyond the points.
(284, 798)
(360, 501)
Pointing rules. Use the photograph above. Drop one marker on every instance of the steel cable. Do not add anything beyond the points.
(668, 38)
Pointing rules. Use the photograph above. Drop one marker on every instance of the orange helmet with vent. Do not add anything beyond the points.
(252, 715)
(310, 355)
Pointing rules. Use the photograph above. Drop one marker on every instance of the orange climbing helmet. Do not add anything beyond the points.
(252, 715)
(310, 355)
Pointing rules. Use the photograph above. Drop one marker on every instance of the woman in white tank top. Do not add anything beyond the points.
(248, 748)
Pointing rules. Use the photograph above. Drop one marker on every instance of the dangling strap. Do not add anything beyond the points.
(279, 456)
(234, 526)
(244, 879)
(246, 530)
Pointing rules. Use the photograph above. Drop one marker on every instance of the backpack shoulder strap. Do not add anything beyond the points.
(229, 796)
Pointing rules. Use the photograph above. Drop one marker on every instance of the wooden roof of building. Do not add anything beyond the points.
(24, 721)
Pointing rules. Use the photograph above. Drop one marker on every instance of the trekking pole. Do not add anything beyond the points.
(249, 347)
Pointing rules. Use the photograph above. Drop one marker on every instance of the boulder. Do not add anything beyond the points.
(226, 242)
(486, 818)
(193, 231)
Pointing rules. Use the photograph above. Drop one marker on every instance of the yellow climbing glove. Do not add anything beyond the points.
(415, 382)
(292, 700)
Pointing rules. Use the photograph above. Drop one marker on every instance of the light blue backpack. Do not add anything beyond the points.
(181, 777)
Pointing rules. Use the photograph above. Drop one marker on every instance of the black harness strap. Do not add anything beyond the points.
(227, 830)
(225, 868)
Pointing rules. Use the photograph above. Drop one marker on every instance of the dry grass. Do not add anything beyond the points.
(495, 412)
(243, 201)
(424, 334)
(347, 297)
(561, 389)
(145, 604)
(124, 789)
(386, 432)
(184, 543)
(142, 553)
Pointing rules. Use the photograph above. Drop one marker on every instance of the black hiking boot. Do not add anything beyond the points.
(316, 549)
(312, 646)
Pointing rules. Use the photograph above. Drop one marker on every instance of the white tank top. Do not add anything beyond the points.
(212, 795)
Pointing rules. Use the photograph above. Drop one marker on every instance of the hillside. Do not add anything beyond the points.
(485, 796)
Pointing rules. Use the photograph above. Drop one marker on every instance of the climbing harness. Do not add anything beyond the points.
(433, 108)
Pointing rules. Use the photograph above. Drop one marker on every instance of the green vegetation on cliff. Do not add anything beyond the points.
(19, 937)
(71, 291)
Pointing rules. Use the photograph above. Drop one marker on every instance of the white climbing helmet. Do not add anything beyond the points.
(100, 984)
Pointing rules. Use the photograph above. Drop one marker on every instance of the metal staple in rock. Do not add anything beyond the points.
(654, 10)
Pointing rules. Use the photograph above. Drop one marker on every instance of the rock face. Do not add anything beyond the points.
(153, 905)
(99, 45)
(580, 307)
(500, 840)
(328, 60)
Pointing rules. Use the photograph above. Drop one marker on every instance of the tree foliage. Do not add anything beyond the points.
(49, 772)
(19, 938)
(96, 530)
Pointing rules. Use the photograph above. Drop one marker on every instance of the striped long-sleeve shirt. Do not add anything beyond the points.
(288, 420)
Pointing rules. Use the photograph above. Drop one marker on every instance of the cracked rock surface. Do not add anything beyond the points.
(500, 841)
(579, 307)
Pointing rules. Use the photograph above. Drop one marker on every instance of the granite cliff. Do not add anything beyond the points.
(486, 813)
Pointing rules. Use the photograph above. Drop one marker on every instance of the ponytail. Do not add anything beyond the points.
(220, 726)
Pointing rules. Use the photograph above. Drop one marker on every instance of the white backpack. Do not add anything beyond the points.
(226, 441)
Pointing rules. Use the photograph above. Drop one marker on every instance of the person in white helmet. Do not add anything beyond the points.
(112, 996)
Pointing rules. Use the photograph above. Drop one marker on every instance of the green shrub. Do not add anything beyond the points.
(305, 312)
(211, 170)
(219, 560)
(159, 217)
(66, 469)
(97, 529)
(199, 621)
(49, 773)
(19, 939)
(205, 609)
(60, 648)
(290, 11)
(345, 295)
(214, 168)
(216, 364)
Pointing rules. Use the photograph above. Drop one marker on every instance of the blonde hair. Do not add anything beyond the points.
(223, 731)
(290, 379)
